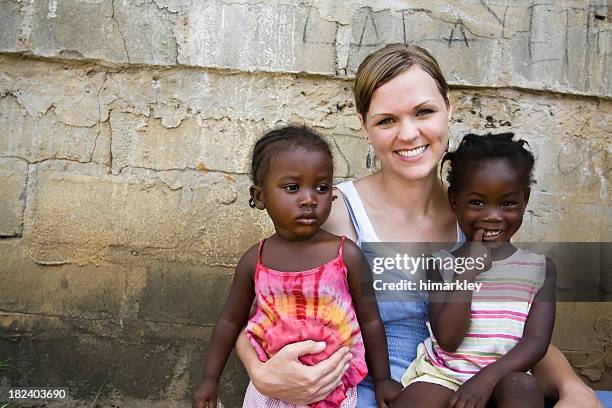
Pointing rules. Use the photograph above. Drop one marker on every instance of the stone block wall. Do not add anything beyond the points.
(125, 131)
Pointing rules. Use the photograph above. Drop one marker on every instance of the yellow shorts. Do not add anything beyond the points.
(421, 370)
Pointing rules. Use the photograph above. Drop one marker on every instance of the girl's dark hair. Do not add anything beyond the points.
(282, 139)
(477, 148)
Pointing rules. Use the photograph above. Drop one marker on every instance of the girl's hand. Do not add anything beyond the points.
(286, 378)
(386, 392)
(476, 249)
(475, 392)
(205, 394)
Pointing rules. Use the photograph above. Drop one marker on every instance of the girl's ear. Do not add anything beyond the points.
(527, 193)
(257, 197)
(452, 199)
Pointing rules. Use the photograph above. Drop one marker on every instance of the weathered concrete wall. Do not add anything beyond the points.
(562, 46)
(125, 132)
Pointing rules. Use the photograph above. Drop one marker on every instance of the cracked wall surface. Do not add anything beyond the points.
(124, 154)
(562, 46)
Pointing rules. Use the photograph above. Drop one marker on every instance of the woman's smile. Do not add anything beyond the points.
(412, 153)
(407, 124)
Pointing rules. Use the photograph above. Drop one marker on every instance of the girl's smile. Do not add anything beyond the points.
(490, 198)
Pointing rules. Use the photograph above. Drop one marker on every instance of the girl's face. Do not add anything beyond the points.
(407, 124)
(296, 192)
(491, 197)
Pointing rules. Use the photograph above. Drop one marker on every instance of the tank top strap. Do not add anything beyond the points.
(341, 248)
(258, 266)
(359, 217)
(259, 251)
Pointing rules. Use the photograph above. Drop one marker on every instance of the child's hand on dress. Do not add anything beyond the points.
(205, 394)
(475, 392)
(386, 392)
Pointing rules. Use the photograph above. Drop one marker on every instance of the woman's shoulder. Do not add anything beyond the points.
(339, 221)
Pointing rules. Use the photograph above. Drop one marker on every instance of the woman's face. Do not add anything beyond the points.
(407, 124)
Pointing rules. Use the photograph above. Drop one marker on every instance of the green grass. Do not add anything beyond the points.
(5, 365)
(93, 404)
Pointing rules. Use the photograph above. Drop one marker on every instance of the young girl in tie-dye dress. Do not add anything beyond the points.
(307, 282)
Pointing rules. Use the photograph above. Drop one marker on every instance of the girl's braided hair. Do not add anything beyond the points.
(283, 139)
(477, 148)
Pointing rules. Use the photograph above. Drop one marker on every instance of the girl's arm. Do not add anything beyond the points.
(372, 329)
(449, 312)
(233, 317)
(526, 353)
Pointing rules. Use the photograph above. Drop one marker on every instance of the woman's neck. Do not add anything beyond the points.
(417, 198)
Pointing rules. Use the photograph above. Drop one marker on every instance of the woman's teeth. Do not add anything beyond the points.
(491, 233)
(412, 152)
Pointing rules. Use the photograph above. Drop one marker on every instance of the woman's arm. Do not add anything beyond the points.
(558, 380)
(284, 377)
(371, 326)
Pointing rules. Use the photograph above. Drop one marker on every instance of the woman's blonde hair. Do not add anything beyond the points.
(385, 64)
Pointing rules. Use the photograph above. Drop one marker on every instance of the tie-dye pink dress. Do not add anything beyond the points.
(308, 305)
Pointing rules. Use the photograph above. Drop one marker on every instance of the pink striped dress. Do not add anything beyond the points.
(498, 315)
(308, 305)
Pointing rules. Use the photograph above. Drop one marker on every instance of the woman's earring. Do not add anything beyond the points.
(251, 203)
(370, 158)
(451, 135)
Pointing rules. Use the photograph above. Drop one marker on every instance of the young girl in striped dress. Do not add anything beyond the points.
(482, 344)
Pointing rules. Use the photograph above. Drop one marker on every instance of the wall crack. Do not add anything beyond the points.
(127, 54)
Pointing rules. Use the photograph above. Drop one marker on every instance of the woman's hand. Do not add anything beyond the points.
(386, 392)
(577, 394)
(284, 377)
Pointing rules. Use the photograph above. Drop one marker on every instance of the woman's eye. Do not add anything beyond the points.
(425, 112)
(386, 121)
(322, 188)
(478, 203)
(508, 203)
(292, 188)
